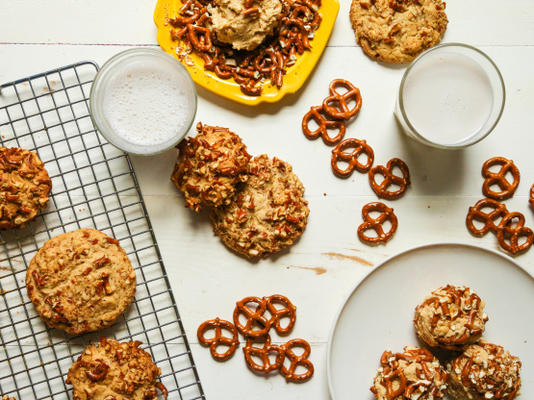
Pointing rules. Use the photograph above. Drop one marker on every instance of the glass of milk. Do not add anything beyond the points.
(143, 101)
(450, 97)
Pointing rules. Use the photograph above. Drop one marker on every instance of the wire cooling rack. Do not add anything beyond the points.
(93, 186)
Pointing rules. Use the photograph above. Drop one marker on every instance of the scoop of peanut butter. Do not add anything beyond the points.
(244, 28)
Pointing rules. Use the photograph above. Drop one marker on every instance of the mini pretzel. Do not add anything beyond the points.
(289, 311)
(499, 178)
(263, 353)
(295, 361)
(508, 234)
(339, 153)
(531, 199)
(218, 324)
(318, 115)
(381, 189)
(476, 212)
(375, 224)
(336, 105)
(254, 317)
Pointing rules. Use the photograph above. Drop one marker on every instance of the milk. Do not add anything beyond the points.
(144, 103)
(447, 98)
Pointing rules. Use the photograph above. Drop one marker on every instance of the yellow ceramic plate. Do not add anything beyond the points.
(296, 74)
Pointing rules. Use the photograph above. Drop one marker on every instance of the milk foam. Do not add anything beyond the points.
(145, 105)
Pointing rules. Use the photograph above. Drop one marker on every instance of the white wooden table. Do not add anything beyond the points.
(319, 271)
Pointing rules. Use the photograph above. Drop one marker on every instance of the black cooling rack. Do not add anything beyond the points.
(93, 186)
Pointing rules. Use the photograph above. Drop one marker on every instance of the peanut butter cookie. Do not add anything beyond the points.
(209, 167)
(24, 186)
(115, 370)
(396, 31)
(80, 281)
(268, 214)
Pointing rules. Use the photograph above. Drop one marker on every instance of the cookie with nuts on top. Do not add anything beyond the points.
(396, 31)
(451, 317)
(267, 214)
(210, 166)
(484, 371)
(80, 281)
(24, 187)
(115, 370)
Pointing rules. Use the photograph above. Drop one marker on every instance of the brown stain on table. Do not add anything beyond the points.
(317, 270)
(341, 256)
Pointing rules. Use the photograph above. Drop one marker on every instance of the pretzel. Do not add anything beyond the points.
(381, 189)
(295, 361)
(218, 324)
(508, 234)
(498, 210)
(289, 311)
(266, 367)
(531, 199)
(375, 224)
(338, 153)
(254, 317)
(341, 110)
(317, 114)
(499, 178)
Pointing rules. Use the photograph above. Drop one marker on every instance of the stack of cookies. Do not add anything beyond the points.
(256, 205)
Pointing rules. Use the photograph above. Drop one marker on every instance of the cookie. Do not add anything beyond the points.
(451, 318)
(396, 31)
(413, 374)
(24, 187)
(6, 397)
(484, 371)
(267, 215)
(115, 370)
(80, 281)
(210, 166)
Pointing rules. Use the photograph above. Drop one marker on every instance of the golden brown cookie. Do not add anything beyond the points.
(80, 281)
(413, 374)
(209, 167)
(268, 214)
(396, 31)
(451, 317)
(484, 371)
(6, 397)
(115, 370)
(24, 186)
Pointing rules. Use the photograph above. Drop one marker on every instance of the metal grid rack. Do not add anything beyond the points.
(93, 186)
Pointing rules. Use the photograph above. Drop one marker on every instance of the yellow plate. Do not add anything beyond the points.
(296, 74)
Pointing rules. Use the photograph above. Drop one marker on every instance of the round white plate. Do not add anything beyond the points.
(378, 313)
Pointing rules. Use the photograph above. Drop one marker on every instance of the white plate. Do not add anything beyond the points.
(378, 313)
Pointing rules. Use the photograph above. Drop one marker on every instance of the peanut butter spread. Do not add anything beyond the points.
(244, 24)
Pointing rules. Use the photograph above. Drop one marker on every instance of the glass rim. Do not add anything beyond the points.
(110, 64)
(416, 61)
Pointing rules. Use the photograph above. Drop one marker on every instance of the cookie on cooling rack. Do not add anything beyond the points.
(210, 166)
(6, 397)
(115, 370)
(484, 371)
(269, 212)
(80, 281)
(24, 186)
(396, 31)
(451, 317)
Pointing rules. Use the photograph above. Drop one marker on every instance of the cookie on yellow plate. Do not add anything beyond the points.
(396, 31)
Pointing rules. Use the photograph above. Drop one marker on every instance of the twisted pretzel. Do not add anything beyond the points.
(218, 339)
(336, 105)
(531, 199)
(317, 114)
(498, 210)
(289, 310)
(499, 178)
(375, 224)
(381, 189)
(508, 235)
(263, 353)
(254, 317)
(339, 153)
(295, 361)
